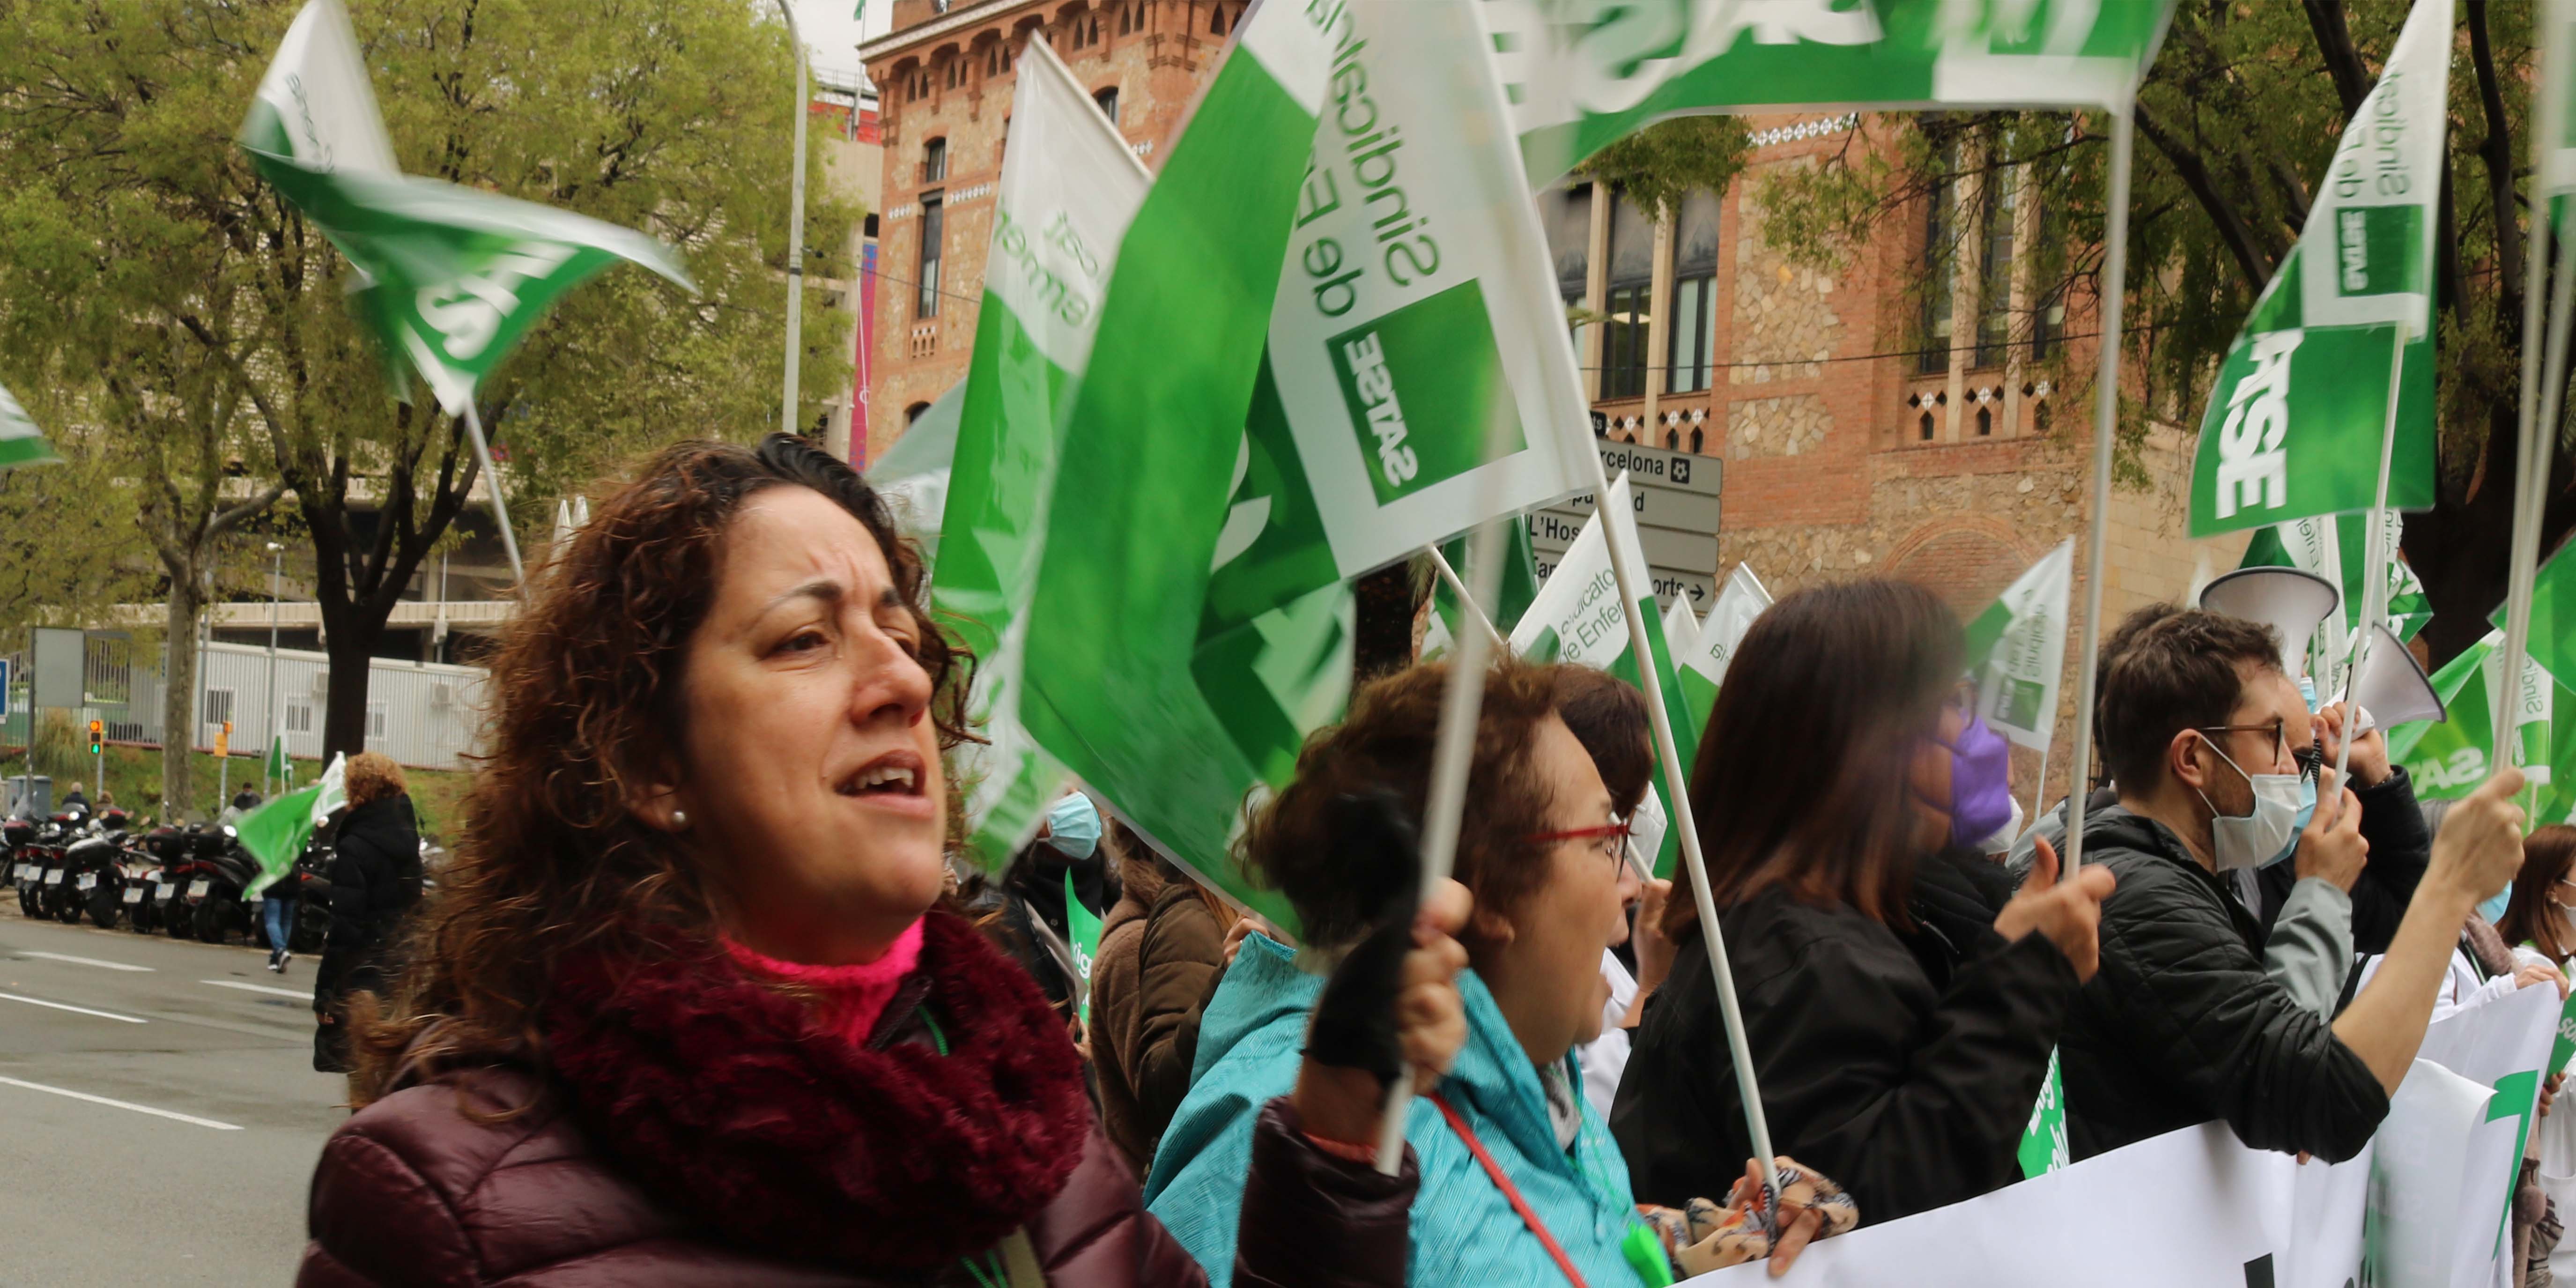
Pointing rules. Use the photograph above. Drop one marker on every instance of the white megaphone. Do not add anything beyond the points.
(2289, 600)
(2391, 688)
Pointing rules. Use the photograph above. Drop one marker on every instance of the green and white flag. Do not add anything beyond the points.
(276, 832)
(2332, 548)
(277, 763)
(2017, 650)
(21, 443)
(1703, 668)
(1584, 76)
(1681, 630)
(2448, 760)
(2044, 1147)
(1513, 591)
(912, 475)
(1314, 323)
(1068, 192)
(2294, 420)
(1083, 937)
(1578, 618)
(451, 277)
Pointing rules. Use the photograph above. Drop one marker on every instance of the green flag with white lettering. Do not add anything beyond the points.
(21, 443)
(1069, 189)
(2447, 760)
(1578, 618)
(452, 277)
(2294, 420)
(1581, 77)
(2017, 650)
(1703, 666)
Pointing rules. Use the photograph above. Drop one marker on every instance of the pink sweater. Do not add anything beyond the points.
(853, 995)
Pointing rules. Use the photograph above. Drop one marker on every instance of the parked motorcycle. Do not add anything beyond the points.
(49, 892)
(146, 863)
(94, 872)
(25, 866)
(214, 894)
(190, 860)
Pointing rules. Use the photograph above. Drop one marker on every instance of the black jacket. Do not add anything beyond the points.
(2181, 1026)
(2401, 847)
(1905, 1066)
(375, 879)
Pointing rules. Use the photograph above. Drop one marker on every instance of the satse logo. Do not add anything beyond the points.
(1376, 389)
(2252, 468)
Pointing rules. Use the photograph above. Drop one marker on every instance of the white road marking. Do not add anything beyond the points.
(305, 996)
(80, 961)
(62, 1006)
(122, 1104)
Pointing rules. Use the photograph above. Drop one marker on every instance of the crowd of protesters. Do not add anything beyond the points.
(701, 997)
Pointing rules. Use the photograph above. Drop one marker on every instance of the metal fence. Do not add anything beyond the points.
(422, 714)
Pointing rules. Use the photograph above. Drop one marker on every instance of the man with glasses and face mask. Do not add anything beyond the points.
(2205, 737)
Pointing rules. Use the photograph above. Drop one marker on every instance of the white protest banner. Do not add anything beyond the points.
(1681, 630)
(2421, 1156)
(2191, 1207)
(2500, 1045)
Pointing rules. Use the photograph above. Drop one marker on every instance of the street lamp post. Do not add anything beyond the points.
(276, 574)
(795, 231)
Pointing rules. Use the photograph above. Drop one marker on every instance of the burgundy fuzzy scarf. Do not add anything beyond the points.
(731, 1102)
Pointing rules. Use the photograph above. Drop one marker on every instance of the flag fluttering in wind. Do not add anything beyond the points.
(451, 277)
(277, 763)
(1681, 630)
(2017, 650)
(1577, 87)
(21, 443)
(2331, 546)
(1578, 618)
(1069, 189)
(1703, 666)
(2294, 421)
(2449, 759)
(276, 833)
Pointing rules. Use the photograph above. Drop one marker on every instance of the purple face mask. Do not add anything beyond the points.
(1980, 784)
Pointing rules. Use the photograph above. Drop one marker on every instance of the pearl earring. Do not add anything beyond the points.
(679, 818)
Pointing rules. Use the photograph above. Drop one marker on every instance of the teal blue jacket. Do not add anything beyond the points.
(1464, 1229)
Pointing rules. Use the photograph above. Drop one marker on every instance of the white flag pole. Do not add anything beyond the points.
(2544, 377)
(2106, 418)
(1677, 795)
(2039, 789)
(1459, 588)
(2374, 563)
(492, 481)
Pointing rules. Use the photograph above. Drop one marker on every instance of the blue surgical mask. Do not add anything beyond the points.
(1073, 826)
(2493, 909)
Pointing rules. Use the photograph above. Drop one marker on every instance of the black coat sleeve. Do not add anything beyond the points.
(2401, 847)
(354, 878)
(2195, 1014)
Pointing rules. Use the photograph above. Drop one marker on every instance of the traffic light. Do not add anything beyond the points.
(97, 736)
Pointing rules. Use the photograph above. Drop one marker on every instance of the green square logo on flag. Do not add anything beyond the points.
(1430, 367)
(2378, 249)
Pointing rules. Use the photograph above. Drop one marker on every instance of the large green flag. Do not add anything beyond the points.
(451, 277)
(1584, 76)
(1578, 618)
(1068, 192)
(1703, 667)
(2553, 614)
(1315, 326)
(21, 443)
(2331, 547)
(2017, 649)
(277, 763)
(2450, 759)
(2294, 421)
(276, 832)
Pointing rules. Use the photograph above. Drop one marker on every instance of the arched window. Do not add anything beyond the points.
(1216, 20)
(1672, 440)
(1126, 20)
(1108, 101)
(1925, 434)
(1695, 441)
(1985, 423)
(913, 412)
(934, 160)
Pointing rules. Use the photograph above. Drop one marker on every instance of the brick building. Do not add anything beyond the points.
(1866, 425)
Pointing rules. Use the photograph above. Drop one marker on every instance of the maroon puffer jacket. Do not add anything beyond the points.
(411, 1191)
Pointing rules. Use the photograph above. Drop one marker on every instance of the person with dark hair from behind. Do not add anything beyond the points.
(2202, 732)
(1160, 949)
(1899, 1007)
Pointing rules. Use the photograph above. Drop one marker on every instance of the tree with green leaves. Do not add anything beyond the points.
(668, 116)
(2236, 122)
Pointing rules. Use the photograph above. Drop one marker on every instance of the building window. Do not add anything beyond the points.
(1923, 431)
(1216, 20)
(934, 161)
(1994, 271)
(1108, 101)
(1693, 330)
(1937, 215)
(1630, 305)
(1126, 20)
(2047, 324)
(1565, 215)
(378, 719)
(932, 212)
(913, 413)
(1985, 422)
(299, 716)
(218, 712)
(1672, 440)
(1696, 440)
(997, 59)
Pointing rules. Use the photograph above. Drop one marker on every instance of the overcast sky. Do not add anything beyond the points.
(833, 34)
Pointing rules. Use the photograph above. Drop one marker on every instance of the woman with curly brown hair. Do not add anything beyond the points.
(686, 1007)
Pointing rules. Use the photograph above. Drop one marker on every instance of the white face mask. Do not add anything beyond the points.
(2282, 806)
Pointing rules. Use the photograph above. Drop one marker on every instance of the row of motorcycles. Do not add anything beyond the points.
(186, 882)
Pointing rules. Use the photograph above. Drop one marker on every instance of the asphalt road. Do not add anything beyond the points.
(159, 1113)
